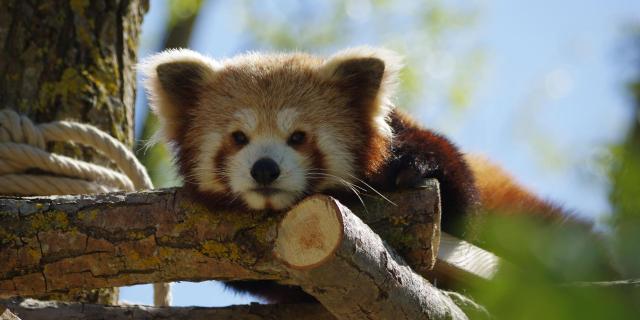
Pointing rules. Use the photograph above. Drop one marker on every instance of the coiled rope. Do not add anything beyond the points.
(23, 149)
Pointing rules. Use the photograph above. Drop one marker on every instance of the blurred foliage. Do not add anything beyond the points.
(545, 267)
(183, 10)
(429, 34)
(428, 42)
(155, 155)
(625, 179)
(551, 262)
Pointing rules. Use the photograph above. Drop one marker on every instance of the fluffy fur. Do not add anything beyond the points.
(222, 117)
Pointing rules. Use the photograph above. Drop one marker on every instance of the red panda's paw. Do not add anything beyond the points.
(408, 178)
(409, 172)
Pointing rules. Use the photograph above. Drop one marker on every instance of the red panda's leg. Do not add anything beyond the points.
(418, 153)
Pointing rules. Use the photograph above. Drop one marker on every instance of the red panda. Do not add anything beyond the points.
(262, 131)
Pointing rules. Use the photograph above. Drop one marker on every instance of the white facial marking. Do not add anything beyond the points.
(291, 182)
(204, 173)
(247, 119)
(338, 159)
(286, 119)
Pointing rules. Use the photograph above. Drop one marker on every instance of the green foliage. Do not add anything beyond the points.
(155, 156)
(423, 32)
(625, 179)
(552, 262)
(544, 271)
(180, 10)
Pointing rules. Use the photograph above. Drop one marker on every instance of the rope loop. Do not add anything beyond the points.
(23, 149)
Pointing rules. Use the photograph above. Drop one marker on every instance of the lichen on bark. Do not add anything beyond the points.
(71, 60)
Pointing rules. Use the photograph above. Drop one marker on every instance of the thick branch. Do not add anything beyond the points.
(53, 244)
(43, 310)
(339, 260)
(57, 244)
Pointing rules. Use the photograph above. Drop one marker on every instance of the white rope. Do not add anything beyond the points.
(22, 149)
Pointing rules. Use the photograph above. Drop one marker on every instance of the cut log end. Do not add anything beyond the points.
(310, 233)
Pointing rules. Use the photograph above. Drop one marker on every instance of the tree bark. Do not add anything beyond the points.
(72, 60)
(53, 244)
(336, 258)
(41, 310)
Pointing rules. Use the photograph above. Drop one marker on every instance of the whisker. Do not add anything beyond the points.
(322, 171)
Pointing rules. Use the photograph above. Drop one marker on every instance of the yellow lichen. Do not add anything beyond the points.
(33, 253)
(215, 249)
(69, 87)
(88, 215)
(7, 237)
(54, 220)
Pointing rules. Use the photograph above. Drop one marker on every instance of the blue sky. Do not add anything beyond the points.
(549, 100)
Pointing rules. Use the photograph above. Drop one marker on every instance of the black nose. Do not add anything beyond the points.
(265, 171)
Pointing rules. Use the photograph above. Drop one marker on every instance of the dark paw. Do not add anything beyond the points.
(412, 173)
(408, 178)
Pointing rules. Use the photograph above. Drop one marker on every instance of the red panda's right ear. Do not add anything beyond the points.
(174, 80)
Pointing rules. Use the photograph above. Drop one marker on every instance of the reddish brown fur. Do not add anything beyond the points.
(500, 194)
(418, 153)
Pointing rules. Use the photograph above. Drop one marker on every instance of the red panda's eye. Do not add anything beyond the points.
(240, 138)
(296, 138)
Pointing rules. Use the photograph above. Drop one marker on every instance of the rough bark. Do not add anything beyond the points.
(53, 244)
(335, 257)
(41, 310)
(409, 221)
(72, 60)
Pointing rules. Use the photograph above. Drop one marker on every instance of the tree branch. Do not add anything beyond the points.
(57, 244)
(53, 244)
(336, 258)
(45, 310)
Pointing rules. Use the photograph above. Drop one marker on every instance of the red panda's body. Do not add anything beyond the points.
(264, 131)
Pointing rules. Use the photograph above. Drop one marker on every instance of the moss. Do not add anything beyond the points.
(398, 220)
(33, 253)
(196, 215)
(68, 88)
(398, 238)
(89, 215)
(136, 235)
(7, 237)
(215, 249)
(53, 220)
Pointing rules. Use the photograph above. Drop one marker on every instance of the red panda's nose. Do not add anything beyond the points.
(265, 171)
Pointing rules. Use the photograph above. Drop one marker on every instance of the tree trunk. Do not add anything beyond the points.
(72, 60)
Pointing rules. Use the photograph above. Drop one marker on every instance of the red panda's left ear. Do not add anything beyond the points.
(174, 80)
(368, 77)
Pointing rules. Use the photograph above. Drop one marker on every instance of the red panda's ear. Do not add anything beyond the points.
(174, 80)
(368, 76)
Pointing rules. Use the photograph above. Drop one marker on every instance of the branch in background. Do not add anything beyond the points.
(43, 310)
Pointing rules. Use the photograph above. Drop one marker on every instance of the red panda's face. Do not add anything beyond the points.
(271, 148)
(269, 129)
